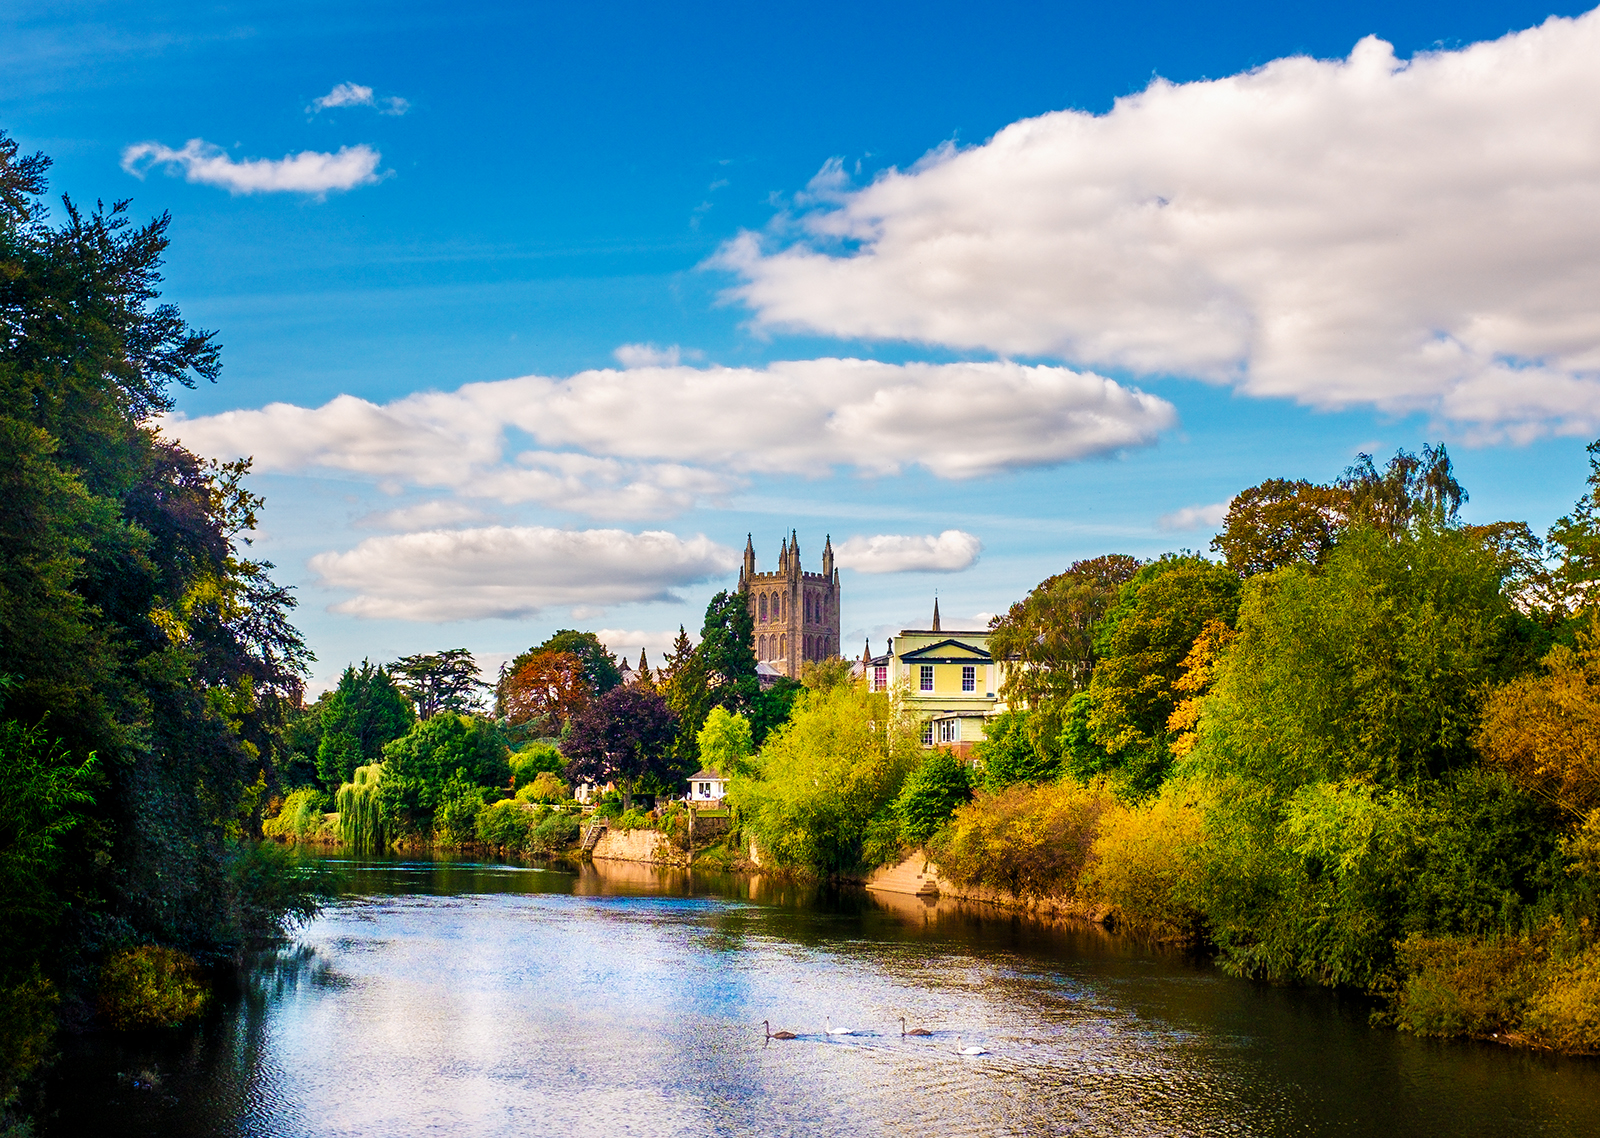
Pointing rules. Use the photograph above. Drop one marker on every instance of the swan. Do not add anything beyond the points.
(831, 1030)
(777, 1034)
(913, 1031)
(974, 1050)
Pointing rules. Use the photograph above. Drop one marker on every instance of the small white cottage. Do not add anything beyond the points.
(707, 786)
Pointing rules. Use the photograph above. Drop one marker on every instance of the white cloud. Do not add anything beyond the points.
(423, 515)
(948, 552)
(628, 642)
(648, 355)
(515, 571)
(654, 440)
(355, 95)
(1411, 236)
(309, 172)
(1196, 517)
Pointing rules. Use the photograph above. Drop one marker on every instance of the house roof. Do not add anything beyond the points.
(707, 776)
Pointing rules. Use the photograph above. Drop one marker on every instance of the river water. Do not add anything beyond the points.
(467, 999)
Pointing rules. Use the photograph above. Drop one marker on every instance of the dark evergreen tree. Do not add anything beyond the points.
(440, 681)
(365, 712)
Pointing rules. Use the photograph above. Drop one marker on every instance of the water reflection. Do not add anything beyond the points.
(441, 997)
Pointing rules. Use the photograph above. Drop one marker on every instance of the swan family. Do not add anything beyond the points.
(829, 1029)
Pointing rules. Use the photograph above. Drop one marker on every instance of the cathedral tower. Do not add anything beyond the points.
(795, 613)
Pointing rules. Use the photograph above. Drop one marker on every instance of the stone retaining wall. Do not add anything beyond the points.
(650, 846)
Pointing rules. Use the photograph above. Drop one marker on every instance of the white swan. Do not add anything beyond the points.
(974, 1050)
(831, 1030)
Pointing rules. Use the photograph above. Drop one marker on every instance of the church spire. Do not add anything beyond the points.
(936, 612)
(794, 552)
(748, 570)
(827, 556)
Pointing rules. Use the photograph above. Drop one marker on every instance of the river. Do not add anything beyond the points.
(466, 999)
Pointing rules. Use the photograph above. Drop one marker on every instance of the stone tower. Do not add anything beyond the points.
(795, 613)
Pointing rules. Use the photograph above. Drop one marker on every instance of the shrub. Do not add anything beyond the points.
(506, 824)
(299, 817)
(456, 815)
(1565, 1012)
(275, 888)
(1010, 755)
(632, 819)
(1145, 863)
(545, 787)
(1459, 986)
(931, 794)
(27, 1030)
(536, 758)
(1031, 840)
(151, 986)
(555, 833)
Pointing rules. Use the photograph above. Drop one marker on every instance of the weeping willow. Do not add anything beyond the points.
(360, 828)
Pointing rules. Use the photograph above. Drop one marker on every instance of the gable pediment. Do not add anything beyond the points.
(948, 652)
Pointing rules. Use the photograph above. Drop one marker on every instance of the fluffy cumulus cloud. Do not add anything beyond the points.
(309, 172)
(1196, 517)
(653, 440)
(947, 552)
(355, 95)
(514, 571)
(1419, 235)
(629, 642)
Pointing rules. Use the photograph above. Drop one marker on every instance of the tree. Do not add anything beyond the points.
(1575, 541)
(825, 782)
(1009, 755)
(930, 794)
(1411, 491)
(443, 681)
(545, 691)
(1544, 729)
(363, 714)
(1279, 522)
(435, 763)
(624, 736)
(682, 683)
(1373, 668)
(133, 623)
(598, 665)
(1048, 638)
(1142, 644)
(726, 745)
(727, 652)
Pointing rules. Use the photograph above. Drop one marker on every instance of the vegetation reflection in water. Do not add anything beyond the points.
(443, 997)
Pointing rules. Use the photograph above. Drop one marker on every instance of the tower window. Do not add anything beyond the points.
(969, 678)
(925, 679)
(763, 608)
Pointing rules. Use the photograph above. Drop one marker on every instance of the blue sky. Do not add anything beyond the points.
(528, 189)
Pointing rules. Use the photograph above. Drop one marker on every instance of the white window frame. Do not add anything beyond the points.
(969, 677)
(949, 730)
(927, 732)
(880, 677)
(925, 678)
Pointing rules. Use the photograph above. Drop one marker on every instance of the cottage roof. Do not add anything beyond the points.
(707, 776)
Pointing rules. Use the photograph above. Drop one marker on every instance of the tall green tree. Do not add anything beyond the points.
(1141, 645)
(433, 763)
(357, 720)
(133, 623)
(440, 681)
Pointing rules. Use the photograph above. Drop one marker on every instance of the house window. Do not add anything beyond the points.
(969, 678)
(927, 733)
(925, 682)
(880, 677)
(949, 730)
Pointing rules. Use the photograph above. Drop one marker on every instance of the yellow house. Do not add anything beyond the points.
(948, 679)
